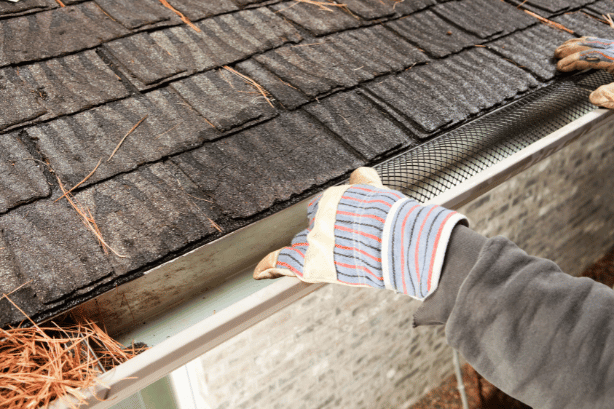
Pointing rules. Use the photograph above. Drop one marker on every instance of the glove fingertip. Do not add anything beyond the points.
(366, 176)
(603, 96)
(267, 267)
(569, 63)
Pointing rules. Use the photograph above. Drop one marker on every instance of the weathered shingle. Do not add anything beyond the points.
(139, 14)
(75, 144)
(21, 296)
(601, 7)
(341, 61)
(370, 9)
(198, 9)
(224, 98)
(73, 83)
(21, 179)
(533, 49)
(145, 215)
(13, 282)
(18, 102)
(314, 69)
(10, 9)
(544, 8)
(470, 15)
(361, 124)
(53, 248)
(143, 61)
(317, 20)
(55, 32)
(406, 7)
(432, 34)
(446, 92)
(583, 25)
(245, 3)
(378, 50)
(226, 39)
(248, 172)
(547, 8)
(289, 96)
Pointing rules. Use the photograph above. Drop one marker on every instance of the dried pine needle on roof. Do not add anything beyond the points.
(87, 218)
(322, 5)
(80, 183)
(41, 364)
(180, 14)
(259, 88)
(549, 22)
(125, 136)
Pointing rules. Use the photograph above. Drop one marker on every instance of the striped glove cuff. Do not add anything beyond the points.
(414, 243)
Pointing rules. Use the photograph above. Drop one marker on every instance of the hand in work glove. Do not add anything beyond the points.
(589, 52)
(365, 235)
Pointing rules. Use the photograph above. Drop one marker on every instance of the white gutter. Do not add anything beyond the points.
(197, 329)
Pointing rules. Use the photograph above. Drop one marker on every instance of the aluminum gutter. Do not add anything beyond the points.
(187, 332)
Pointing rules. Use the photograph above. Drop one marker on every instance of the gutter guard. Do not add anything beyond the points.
(452, 180)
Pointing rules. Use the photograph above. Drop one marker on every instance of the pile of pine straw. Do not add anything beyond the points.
(39, 364)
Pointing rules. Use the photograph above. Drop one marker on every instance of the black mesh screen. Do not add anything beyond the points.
(444, 162)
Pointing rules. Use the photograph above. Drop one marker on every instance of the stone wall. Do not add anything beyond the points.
(354, 348)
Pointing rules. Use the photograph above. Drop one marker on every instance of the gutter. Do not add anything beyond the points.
(229, 301)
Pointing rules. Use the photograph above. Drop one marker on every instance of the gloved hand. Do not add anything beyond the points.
(365, 235)
(589, 52)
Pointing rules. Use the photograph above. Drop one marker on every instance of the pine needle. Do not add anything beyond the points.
(87, 219)
(215, 225)
(181, 16)
(259, 88)
(549, 22)
(125, 136)
(608, 19)
(41, 364)
(323, 5)
(80, 183)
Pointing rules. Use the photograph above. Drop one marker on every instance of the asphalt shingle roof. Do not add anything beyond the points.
(347, 86)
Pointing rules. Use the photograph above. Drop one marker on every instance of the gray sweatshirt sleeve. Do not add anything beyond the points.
(538, 334)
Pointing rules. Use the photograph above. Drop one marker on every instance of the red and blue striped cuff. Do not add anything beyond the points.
(416, 238)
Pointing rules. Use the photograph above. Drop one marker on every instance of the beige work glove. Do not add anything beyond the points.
(589, 52)
(365, 235)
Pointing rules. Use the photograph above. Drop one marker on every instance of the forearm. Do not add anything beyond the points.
(540, 335)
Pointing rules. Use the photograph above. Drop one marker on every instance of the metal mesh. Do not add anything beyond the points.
(438, 165)
(595, 80)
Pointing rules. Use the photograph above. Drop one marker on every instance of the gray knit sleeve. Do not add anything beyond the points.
(540, 335)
